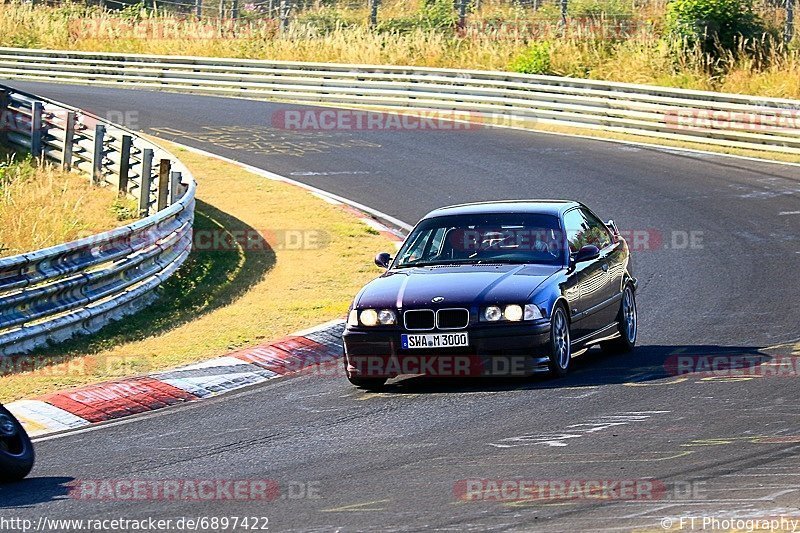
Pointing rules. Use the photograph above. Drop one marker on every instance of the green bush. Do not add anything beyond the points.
(325, 20)
(716, 25)
(599, 8)
(534, 60)
(13, 169)
(433, 15)
(438, 15)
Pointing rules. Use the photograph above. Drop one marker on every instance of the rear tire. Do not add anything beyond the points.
(627, 325)
(560, 349)
(16, 449)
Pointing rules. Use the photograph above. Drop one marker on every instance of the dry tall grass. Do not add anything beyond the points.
(42, 206)
(639, 56)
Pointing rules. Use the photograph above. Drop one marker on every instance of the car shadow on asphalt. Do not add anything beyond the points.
(646, 364)
(33, 491)
(219, 270)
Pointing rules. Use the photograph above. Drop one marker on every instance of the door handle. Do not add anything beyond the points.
(605, 267)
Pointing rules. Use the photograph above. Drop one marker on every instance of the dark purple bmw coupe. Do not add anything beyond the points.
(498, 288)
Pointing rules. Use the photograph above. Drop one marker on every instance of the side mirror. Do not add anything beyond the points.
(383, 259)
(614, 229)
(587, 253)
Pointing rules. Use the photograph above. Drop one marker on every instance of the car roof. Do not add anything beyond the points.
(542, 207)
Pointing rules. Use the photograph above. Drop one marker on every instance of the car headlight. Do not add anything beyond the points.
(513, 312)
(532, 312)
(387, 317)
(492, 313)
(372, 317)
(368, 317)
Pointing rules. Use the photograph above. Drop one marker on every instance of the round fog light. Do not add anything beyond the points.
(492, 313)
(513, 312)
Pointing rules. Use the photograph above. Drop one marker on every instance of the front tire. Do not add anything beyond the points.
(560, 348)
(16, 449)
(627, 325)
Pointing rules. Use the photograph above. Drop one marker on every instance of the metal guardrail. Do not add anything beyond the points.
(51, 294)
(730, 120)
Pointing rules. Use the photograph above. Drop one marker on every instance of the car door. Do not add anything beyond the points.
(612, 262)
(587, 281)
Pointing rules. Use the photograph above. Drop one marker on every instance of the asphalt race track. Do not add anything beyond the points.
(718, 262)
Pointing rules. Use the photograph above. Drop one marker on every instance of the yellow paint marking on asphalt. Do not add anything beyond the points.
(534, 502)
(357, 507)
(728, 379)
(654, 384)
(753, 439)
(602, 458)
(374, 395)
(793, 345)
(31, 426)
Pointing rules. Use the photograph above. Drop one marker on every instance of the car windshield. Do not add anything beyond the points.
(510, 238)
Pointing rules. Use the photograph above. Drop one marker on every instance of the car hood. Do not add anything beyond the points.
(458, 285)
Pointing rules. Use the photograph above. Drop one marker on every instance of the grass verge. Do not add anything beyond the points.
(247, 281)
(42, 206)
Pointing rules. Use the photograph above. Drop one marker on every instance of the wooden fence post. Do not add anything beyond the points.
(164, 168)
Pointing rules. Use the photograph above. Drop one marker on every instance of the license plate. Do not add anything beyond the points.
(434, 340)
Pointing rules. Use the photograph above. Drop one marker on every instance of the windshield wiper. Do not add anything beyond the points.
(434, 263)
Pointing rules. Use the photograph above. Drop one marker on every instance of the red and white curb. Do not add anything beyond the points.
(321, 345)
(77, 408)
(111, 400)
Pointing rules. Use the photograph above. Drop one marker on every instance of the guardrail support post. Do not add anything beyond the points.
(36, 129)
(174, 186)
(164, 168)
(124, 164)
(146, 180)
(97, 157)
(5, 117)
(69, 140)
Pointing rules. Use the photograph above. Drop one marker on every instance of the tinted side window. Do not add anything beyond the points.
(583, 228)
(598, 232)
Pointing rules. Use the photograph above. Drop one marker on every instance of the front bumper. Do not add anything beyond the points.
(494, 350)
